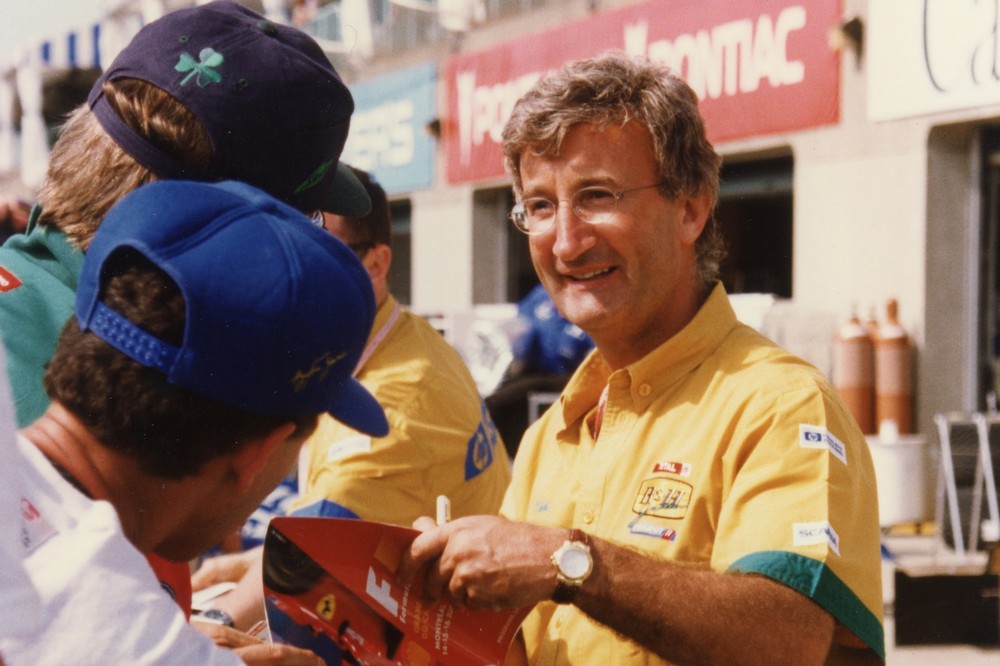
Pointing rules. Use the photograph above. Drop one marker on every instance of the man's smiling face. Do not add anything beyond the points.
(629, 282)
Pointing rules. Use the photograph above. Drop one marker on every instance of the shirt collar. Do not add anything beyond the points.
(664, 366)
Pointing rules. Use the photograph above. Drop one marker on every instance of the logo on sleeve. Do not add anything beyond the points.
(8, 281)
(811, 534)
(818, 437)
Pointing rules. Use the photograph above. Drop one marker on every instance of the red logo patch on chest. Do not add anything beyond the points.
(8, 280)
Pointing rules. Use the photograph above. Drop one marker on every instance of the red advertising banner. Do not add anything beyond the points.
(330, 586)
(758, 66)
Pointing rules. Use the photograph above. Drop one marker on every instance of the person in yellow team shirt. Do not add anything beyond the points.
(441, 438)
(697, 495)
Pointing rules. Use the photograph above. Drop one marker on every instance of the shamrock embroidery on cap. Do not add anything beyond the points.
(210, 58)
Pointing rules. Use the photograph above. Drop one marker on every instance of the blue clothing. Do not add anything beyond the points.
(550, 344)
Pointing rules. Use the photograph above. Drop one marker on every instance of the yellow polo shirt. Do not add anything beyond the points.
(717, 449)
(441, 438)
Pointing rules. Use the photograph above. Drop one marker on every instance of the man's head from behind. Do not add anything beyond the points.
(205, 93)
(370, 235)
(609, 90)
(208, 314)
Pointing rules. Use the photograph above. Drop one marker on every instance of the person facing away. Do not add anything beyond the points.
(441, 439)
(204, 93)
(202, 352)
(697, 495)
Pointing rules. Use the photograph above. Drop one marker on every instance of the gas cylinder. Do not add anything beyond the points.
(893, 373)
(853, 372)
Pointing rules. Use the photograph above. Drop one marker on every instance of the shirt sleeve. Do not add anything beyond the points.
(801, 507)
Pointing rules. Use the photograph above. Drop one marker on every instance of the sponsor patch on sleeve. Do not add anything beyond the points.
(811, 534)
(8, 281)
(818, 437)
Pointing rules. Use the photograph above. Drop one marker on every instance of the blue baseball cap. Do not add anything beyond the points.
(278, 310)
(275, 109)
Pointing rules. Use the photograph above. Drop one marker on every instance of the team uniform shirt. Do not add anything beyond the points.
(717, 449)
(441, 438)
(101, 602)
(38, 276)
(20, 610)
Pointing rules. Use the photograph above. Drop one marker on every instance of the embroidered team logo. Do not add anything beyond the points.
(663, 498)
(8, 281)
(818, 437)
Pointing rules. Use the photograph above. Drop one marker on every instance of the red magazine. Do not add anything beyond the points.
(330, 586)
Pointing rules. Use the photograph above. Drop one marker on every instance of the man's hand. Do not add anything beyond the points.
(255, 652)
(225, 568)
(483, 562)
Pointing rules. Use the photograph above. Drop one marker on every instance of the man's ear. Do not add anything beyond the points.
(377, 261)
(697, 209)
(251, 458)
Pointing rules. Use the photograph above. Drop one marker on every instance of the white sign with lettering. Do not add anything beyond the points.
(929, 56)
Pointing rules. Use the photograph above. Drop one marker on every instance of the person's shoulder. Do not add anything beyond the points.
(746, 352)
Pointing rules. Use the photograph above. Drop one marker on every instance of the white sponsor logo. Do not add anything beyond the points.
(811, 534)
(818, 437)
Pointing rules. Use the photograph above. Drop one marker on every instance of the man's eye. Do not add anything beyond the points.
(596, 196)
(538, 207)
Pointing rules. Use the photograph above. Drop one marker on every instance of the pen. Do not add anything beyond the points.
(443, 509)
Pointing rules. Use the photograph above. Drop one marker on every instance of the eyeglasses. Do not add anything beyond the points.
(317, 218)
(593, 205)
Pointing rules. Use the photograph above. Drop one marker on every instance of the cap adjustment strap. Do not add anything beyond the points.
(131, 340)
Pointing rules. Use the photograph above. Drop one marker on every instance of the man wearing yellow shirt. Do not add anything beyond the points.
(441, 438)
(697, 495)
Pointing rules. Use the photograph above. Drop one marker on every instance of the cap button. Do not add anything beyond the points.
(267, 27)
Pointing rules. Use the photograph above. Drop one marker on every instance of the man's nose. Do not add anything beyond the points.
(573, 235)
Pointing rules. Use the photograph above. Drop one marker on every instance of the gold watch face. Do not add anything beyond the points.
(574, 561)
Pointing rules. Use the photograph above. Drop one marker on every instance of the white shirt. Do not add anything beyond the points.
(19, 604)
(101, 602)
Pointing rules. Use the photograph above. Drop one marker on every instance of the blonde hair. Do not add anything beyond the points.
(89, 173)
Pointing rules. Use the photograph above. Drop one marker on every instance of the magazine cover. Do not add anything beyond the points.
(330, 586)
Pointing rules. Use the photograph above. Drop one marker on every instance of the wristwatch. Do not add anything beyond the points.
(217, 616)
(573, 563)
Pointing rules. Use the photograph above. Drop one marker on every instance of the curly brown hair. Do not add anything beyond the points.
(614, 89)
(133, 409)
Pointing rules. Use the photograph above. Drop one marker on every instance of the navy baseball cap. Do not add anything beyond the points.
(274, 107)
(278, 310)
